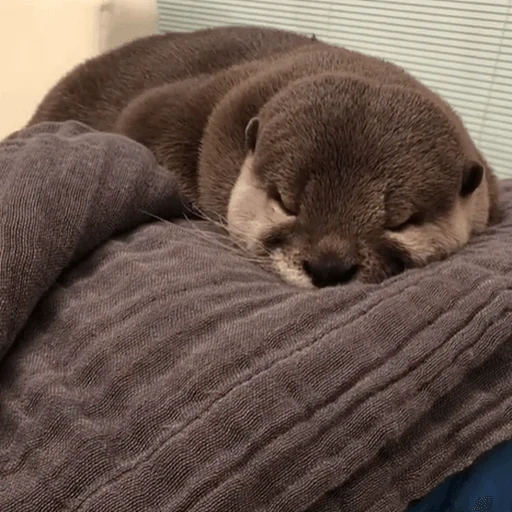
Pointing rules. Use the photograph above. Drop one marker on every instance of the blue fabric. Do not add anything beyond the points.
(486, 486)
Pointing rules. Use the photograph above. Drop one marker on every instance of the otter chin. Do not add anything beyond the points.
(328, 165)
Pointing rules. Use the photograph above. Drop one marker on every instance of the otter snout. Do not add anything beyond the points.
(329, 269)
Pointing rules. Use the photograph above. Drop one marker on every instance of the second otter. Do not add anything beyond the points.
(331, 164)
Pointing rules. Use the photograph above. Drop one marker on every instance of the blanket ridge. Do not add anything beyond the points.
(142, 370)
(47, 195)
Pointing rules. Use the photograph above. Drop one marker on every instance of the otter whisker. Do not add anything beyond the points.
(238, 237)
(233, 245)
(203, 236)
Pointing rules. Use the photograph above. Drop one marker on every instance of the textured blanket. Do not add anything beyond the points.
(147, 367)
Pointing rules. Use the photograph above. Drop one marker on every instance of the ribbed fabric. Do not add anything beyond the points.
(148, 368)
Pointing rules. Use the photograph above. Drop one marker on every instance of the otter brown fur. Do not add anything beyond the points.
(329, 163)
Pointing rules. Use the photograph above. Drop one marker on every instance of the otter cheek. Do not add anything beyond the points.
(246, 217)
(436, 240)
(420, 242)
(287, 262)
(252, 215)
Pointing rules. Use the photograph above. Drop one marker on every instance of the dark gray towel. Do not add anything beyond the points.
(146, 367)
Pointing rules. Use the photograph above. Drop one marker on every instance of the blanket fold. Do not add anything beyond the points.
(64, 190)
(153, 369)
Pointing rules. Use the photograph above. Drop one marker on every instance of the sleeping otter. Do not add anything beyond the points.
(330, 164)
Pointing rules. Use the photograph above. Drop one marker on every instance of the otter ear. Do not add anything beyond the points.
(471, 178)
(251, 133)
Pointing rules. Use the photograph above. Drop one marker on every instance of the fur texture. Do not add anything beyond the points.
(329, 164)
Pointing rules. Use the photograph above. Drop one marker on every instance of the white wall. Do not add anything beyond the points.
(40, 40)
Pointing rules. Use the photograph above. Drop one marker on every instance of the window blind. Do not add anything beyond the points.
(461, 49)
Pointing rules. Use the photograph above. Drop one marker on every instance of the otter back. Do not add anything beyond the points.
(96, 91)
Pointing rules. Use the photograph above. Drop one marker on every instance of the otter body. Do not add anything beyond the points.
(331, 164)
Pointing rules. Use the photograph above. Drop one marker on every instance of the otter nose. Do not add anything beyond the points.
(329, 270)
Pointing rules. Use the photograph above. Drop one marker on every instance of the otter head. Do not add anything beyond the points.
(346, 179)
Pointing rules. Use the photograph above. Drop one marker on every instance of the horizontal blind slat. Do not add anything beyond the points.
(325, 21)
(493, 14)
(484, 45)
(460, 48)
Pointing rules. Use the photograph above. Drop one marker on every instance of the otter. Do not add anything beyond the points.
(329, 164)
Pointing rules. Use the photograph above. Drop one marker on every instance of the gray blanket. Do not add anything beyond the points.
(147, 367)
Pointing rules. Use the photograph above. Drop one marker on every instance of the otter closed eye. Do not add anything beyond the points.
(413, 220)
(276, 196)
